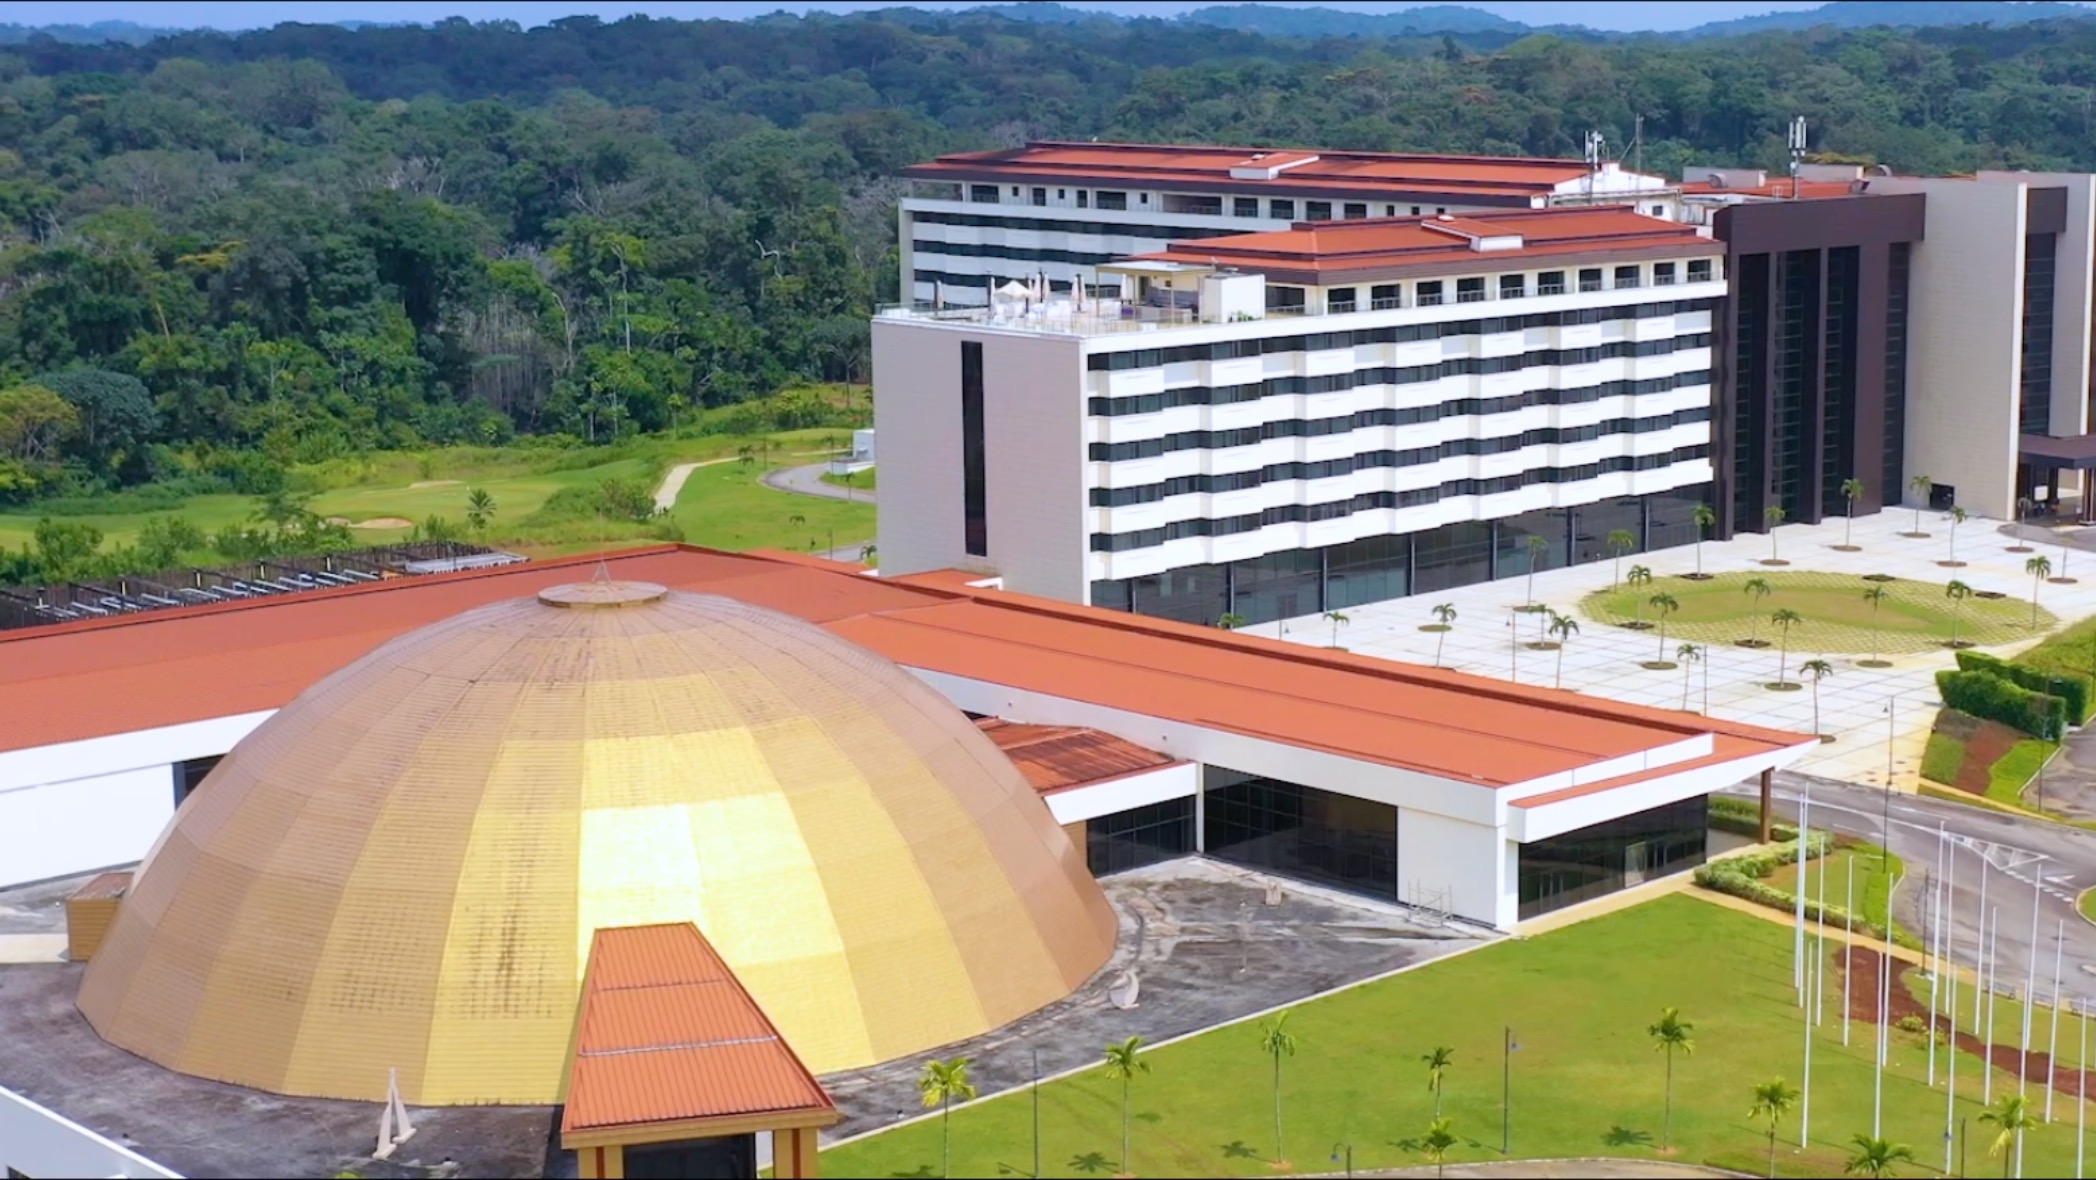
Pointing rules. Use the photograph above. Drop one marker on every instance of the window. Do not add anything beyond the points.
(1662, 274)
(1699, 270)
(1440, 209)
(1197, 206)
(1550, 282)
(1340, 299)
(1281, 210)
(1626, 276)
(1513, 286)
(1286, 300)
(1356, 210)
(1389, 210)
(1040, 196)
(1015, 190)
(1317, 210)
(1415, 210)
(1430, 293)
(1245, 207)
(983, 194)
(1470, 290)
(1386, 295)
(1109, 199)
(1141, 836)
(1659, 210)
(1144, 198)
(974, 473)
(190, 775)
(1083, 198)
(1590, 278)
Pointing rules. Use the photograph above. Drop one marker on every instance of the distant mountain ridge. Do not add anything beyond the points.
(1426, 20)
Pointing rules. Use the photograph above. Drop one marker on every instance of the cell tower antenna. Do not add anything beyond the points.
(1637, 145)
(1594, 145)
(1797, 152)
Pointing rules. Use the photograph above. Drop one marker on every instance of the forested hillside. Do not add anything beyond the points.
(295, 245)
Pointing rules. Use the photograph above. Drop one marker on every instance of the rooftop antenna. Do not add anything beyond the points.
(1594, 144)
(1797, 152)
(603, 573)
(1637, 145)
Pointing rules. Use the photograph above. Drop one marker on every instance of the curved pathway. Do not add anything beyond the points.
(673, 483)
(808, 482)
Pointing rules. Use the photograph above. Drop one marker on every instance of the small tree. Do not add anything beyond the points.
(1819, 670)
(1758, 588)
(1956, 517)
(1784, 618)
(1277, 1042)
(1445, 615)
(1690, 655)
(1851, 491)
(1772, 1100)
(1562, 628)
(1774, 515)
(1875, 1157)
(1957, 592)
(1122, 1064)
(1669, 1033)
(1434, 1145)
(1922, 486)
(1338, 620)
(1536, 548)
(1437, 1065)
(941, 1084)
(1875, 596)
(2011, 1116)
(1620, 541)
(1663, 604)
(1231, 621)
(2039, 568)
(480, 509)
(1640, 577)
(1703, 516)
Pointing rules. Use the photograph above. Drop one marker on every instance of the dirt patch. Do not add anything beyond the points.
(1863, 1005)
(1989, 741)
(384, 522)
(436, 483)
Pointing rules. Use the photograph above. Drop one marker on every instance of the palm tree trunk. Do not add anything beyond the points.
(1699, 551)
(1560, 666)
(1438, 641)
(1124, 1125)
(1280, 1152)
(1849, 527)
(946, 1135)
(1666, 1126)
(1772, 1149)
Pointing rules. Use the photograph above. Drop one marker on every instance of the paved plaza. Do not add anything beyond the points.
(1605, 660)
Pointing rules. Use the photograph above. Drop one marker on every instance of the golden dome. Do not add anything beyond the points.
(404, 867)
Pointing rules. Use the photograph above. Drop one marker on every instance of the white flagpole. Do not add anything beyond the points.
(1992, 981)
(1805, 1108)
(1950, 1089)
(1934, 935)
(1979, 952)
(1797, 950)
(1819, 956)
(2059, 949)
(2030, 989)
(2081, 1103)
(1848, 954)
(1877, 1101)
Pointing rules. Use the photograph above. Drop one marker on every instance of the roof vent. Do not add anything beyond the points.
(1716, 180)
(1447, 217)
(1268, 165)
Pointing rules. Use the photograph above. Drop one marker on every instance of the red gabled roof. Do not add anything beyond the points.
(665, 1034)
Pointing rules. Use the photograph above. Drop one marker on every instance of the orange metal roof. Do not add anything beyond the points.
(1356, 172)
(1056, 757)
(118, 675)
(1381, 243)
(666, 1033)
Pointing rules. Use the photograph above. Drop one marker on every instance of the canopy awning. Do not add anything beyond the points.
(2077, 451)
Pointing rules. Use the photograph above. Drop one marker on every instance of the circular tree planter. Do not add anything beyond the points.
(1989, 595)
(1635, 625)
(1957, 644)
(1879, 578)
(1697, 577)
(1774, 561)
(1873, 663)
(1783, 686)
(1756, 644)
(1825, 738)
(2063, 581)
(1916, 536)
(2019, 549)
(1846, 548)
(1541, 645)
(1436, 627)
(1951, 565)
(1658, 665)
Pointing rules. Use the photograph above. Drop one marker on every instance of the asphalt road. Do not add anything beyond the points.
(2016, 860)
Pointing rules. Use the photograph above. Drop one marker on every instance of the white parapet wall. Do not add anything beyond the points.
(42, 1143)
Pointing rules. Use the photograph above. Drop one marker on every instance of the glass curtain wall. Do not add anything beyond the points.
(1139, 836)
(1592, 524)
(1838, 380)
(1895, 475)
(1514, 554)
(1369, 570)
(1302, 832)
(2038, 274)
(1596, 861)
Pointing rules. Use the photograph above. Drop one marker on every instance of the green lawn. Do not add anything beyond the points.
(862, 481)
(2014, 770)
(1914, 616)
(1586, 1081)
(725, 507)
(1872, 872)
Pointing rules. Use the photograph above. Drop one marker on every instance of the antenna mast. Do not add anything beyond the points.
(1797, 152)
(1593, 158)
(1637, 145)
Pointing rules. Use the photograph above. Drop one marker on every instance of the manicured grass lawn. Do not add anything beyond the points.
(861, 481)
(1914, 616)
(1942, 757)
(1586, 1080)
(2014, 770)
(1874, 870)
(725, 507)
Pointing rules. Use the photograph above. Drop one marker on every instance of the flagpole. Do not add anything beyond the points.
(1936, 949)
(1979, 952)
(1819, 955)
(2030, 985)
(2081, 1103)
(1848, 954)
(1992, 981)
(2059, 950)
(1797, 950)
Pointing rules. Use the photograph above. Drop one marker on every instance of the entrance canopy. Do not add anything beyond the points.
(2077, 451)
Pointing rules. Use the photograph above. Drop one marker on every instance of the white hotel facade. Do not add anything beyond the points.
(1277, 424)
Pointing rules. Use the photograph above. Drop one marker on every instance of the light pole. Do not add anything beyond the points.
(1506, 1093)
(1348, 1150)
(1037, 1114)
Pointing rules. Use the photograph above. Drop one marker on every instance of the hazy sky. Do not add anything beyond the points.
(1621, 15)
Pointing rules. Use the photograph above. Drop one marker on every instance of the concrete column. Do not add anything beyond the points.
(1768, 786)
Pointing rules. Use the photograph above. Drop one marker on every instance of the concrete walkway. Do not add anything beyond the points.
(673, 483)
(807, 481)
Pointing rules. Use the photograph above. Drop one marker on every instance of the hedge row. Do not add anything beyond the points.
(1750, 825)
(1741, 877)
(2072, 689)
(1986, 695)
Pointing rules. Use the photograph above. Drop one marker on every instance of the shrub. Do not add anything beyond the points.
(2071, 689)
(1741, 877)
(1986, 695)
(1910, 1023)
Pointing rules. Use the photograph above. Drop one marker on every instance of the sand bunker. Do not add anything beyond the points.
(384, 522)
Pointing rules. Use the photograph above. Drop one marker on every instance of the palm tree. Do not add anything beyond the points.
(1338, 620)
(1875, 1157)
(1819, 670)
(1774, 515)
(1437, 1065)
(1703, 516)
(1669, 1033)
(1640, 577)
(745, 455)
(1851, 491)
(1620, 541)
(1957, 592)
(1690, 655)
(941, 1084)
(480, 509)
(1536, 547)
(1231, 621)
(1663, 604)
(1277, 1042)
(1875, 596)
(1784, 618)
(1440, 1136)
(1772, 1100)
(2039, 568)
(1122, 1065)
(1563, 628)
(1957, 517)
(1922, 485)
(1760, 589)
(2011, 1117)
(1445, 616)
(868, 553)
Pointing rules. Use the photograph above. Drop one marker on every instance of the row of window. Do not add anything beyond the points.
(1371, 501)
(1223, 350)
(1161, 233)
(1374, 460)
(1435, 292)
(1223, 395)
(1188, 204)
